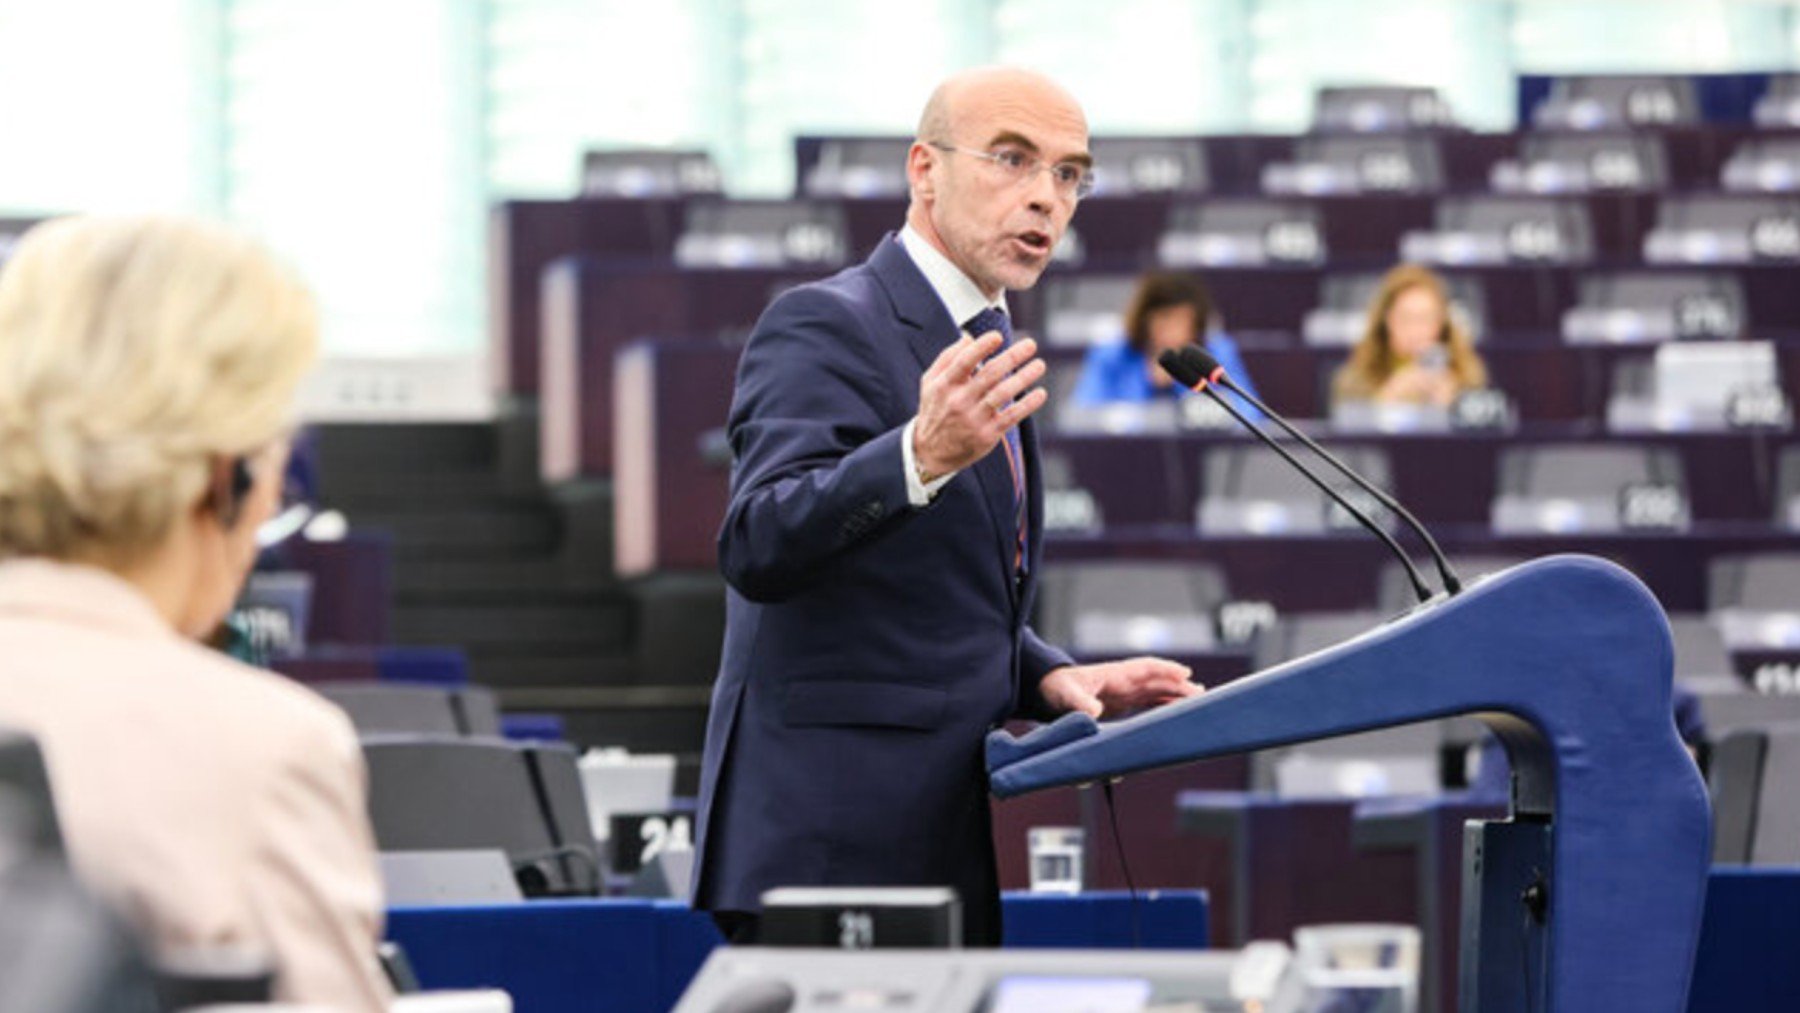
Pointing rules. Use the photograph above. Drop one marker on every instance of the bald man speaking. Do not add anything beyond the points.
(884, 535)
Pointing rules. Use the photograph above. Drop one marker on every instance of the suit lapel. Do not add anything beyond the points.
(929, 330)
(996, 480)
(1034, 508)
(1034, 488)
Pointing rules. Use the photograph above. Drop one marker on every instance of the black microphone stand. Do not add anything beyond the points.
(1452, 583)
(1412, 572)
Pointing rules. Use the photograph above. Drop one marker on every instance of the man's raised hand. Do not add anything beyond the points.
(967, 401)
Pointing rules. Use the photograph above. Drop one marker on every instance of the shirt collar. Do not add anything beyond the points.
(959, 295)
(49, 589)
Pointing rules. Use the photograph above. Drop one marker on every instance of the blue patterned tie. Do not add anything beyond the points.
(994, 319)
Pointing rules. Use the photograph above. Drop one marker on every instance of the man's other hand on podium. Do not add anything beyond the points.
(1117, 688)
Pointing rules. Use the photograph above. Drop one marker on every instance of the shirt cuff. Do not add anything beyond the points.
(918, 493)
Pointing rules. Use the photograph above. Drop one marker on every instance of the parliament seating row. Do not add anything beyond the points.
(1756, 818)
(1712, 706)
(1677, 388)
(1329, 573)
(599, 309)
(671, 494)
(1618, 155)
(1540, 481)
(1098, 608)
(1657, 106)
(1392, 137)
(865, 165)
(1336, 164)
(462, 814)
(1738, 661)
(1284, 247)
(1455, 230)
(1645, 306)
(1107, 608)
(1501, 304)
(399, 708)
(436, 793)
(1656, 141)
(1328, 164)
(1602, 101)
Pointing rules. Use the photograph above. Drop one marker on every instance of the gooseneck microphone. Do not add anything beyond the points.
(1192, 374)
(1196, 369)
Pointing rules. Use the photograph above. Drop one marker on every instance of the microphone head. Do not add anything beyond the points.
(1190, 365)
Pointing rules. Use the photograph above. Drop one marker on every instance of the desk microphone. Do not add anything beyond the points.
(1197, 370)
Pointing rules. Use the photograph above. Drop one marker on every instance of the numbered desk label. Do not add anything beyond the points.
(270, 630)
(1157, 174)
(1484, 410)
(1652, 506)
(812, 243)
(1776, 238)
(1759, 406)
(1240, 622)
(1615, 169)
(1071, 510)
(1776, 678)
(637, 838)
(1293, 243)
(856, 930)
(1387, 170)
(1704, 317)
(1651, 106)
(1534, 239)
(1205, 414)
(698, 175)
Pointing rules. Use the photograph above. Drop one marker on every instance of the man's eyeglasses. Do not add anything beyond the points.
(1073, 180)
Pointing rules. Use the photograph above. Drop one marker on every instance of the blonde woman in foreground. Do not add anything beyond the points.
(148, 370)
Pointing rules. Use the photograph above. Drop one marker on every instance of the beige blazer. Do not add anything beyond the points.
(210, 802)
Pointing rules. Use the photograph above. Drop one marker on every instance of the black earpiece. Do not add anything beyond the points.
(241, 479)
(229, 495)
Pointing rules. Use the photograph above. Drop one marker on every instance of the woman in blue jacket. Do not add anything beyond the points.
(1168, 310)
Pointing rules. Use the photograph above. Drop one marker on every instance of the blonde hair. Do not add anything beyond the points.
(135, 353)
(1372, 361)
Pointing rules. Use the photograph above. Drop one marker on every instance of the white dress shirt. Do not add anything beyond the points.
(963, 299)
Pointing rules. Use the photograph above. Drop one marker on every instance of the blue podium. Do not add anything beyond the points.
(1589, 895)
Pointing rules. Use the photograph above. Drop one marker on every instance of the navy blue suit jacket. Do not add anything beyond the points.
(869, 645)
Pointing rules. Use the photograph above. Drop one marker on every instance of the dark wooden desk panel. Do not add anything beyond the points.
(1293, 864)
(525, 236)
